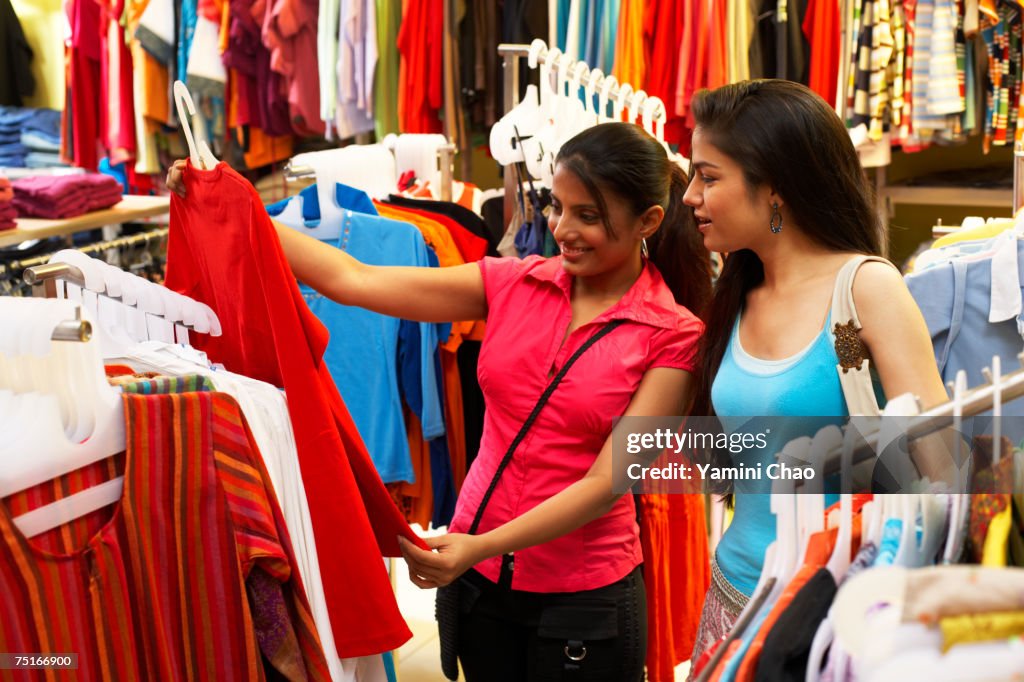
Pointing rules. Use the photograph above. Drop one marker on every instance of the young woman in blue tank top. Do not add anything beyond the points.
(777, 185)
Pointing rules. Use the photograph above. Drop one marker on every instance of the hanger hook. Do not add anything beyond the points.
(183, 97)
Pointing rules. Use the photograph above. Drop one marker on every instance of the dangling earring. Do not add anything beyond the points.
(643, 248)
(775, 223)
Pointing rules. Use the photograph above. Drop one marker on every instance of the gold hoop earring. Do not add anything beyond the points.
(775, 222)
(644, 253)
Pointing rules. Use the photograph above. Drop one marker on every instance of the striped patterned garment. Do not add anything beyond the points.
(882, 43)
(162, 385)
(897, 67)
(1003, 90)
(905, 135)
(1013, 74)
(159, 588)
(935, 89)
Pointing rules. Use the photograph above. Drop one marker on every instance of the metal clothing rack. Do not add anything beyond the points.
(976, 401)
(445, 157)
(42, 277)
(511, 53)
(117, 243)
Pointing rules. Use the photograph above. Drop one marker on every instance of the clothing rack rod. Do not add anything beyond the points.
(978, 400)
(510, 53)
(298, 172)
(446, 155)
(40, 274)
(37, 274)
(117, 243)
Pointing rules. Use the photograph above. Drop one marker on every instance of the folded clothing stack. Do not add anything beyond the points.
(65, 196)
(7, 211)
(29, 135)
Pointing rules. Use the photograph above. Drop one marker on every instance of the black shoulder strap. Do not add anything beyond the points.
(604, 331)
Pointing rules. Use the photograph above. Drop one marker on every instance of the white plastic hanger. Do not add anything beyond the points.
(784, 505)
(533, 56)
(839, 562)
(659, 115)
(46, 452)
(636, 106)
(609, 84)
(651, 105)
(593, 110)
(198, 151)
(961, 502)
(625, 92)
(524, 117)
(539, 150)
(575, 117)
(930, 511)
(812, 500)
(143, 298)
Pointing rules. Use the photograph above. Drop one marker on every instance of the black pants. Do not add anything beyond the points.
(506, 635)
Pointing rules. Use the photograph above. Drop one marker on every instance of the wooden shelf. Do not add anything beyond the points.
(941, 195)
(132, 208)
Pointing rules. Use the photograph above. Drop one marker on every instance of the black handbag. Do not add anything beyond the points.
(447, 604)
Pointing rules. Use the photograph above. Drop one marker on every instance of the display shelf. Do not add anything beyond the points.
(132, 208)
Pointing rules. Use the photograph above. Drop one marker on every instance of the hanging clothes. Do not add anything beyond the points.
(677, 573)
(419, 41)
(821, 28)
(629, 63)
(81, 122)
(357, 60)
(366, 349)
(385, 82)
(688, 44)
(235, 553)
(461, 215)
(16, 79)
(224, 251)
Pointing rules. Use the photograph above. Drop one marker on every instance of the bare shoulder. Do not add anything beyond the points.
(884, 303)
(877, 284)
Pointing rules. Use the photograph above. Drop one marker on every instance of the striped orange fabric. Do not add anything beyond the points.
(161, 589)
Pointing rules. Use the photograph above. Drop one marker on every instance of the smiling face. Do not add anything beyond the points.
(729, 215)
(579, 227)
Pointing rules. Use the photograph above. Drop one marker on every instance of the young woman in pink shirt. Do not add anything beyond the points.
(550, 579)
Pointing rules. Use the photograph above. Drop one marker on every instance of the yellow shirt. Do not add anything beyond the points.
(985, 231)
(993, 554)
(984, 627)
(630, 66)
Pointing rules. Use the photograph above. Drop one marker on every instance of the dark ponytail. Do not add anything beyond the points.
(623, 159)
(677, 249)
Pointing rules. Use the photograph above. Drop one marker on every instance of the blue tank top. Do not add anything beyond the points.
(802, 385)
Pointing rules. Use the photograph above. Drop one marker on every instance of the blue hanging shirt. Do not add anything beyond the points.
(365, 348)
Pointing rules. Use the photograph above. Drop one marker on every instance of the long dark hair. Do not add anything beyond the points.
(785, 136)
(623, 159)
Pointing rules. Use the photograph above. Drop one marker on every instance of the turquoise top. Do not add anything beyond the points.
(747, 388)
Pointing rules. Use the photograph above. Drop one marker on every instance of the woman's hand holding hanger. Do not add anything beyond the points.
(176, 177)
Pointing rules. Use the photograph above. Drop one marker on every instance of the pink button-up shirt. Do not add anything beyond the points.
(529, 312)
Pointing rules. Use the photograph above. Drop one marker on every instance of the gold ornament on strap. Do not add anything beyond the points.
(849, 348)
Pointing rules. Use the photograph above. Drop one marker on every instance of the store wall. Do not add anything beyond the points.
(912, 224)
(43, 24)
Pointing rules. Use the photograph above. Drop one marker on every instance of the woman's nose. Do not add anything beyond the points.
(691, 197)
